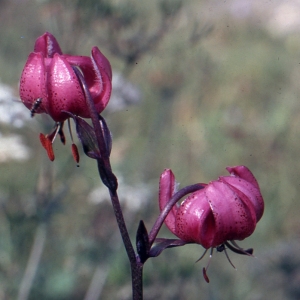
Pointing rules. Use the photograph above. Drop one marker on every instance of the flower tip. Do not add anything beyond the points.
(47, 44)
(101, 61)
(167, 186)
(244, 173)
(167, 172)
(236, 169)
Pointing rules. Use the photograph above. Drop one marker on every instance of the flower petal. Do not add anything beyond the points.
(33, 82)
(84, 63)
(247, 192)
(47, 44)
(166, 191)
(244, 173)
(195, 221)
(64, 91)
(233, 219)
(102, 62)
(97, 74)
(102, 88)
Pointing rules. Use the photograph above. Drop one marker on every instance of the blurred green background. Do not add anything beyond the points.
(219, 86)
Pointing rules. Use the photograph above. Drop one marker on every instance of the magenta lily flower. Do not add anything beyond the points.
(225, 209)
(50, 85)
(48, 75)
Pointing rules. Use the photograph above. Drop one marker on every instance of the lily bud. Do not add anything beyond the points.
(224, 210)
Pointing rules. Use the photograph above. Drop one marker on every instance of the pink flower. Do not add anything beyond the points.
(224, 210)
(50, 85)
(48, 75)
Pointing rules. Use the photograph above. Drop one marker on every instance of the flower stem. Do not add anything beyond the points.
(110, 181)
(137, 281)
(122, 227)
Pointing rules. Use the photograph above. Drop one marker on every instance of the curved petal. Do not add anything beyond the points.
(195, 221)
(239, 186)
(86, 66)
(102, 62)
(97, 74)
(233, 219)
(244, 173)
(65, 92)
(167, 186)
(47, 44)
(33, 82)
(103, 86)
(252, 196)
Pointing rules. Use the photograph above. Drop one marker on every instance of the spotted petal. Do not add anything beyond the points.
(33, 82)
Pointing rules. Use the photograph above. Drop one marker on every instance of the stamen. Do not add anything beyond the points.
(205, 275)
(47, 144)
(210, 256)
(229, 258)
(61, 133)
(204, 270)
(237, 249)
(75, 153)
(51, 136)
(70, 130)
(247, 251)
(201, 255)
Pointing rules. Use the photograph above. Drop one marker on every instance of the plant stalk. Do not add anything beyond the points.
(136, 267)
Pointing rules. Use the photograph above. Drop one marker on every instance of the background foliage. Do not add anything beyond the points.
(220, 86)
